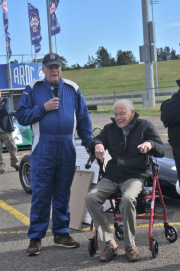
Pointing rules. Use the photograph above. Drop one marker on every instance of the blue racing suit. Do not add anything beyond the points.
(53, 152)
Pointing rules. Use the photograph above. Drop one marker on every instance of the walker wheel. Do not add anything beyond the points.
(119, 233)
(91, 247)
(171, 233)
(154, 248)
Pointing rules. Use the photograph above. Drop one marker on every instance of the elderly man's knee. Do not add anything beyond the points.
(127, 200)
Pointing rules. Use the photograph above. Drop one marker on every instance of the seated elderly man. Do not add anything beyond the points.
(129, 140)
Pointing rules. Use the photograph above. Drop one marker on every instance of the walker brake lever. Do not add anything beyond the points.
(90, 160)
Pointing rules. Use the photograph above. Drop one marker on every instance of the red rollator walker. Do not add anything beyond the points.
(145, 206)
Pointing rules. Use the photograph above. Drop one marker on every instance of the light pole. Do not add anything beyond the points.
(152, 2)
(49, 28)
(147, 56)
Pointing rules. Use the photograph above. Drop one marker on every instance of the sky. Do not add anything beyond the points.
(87, 25)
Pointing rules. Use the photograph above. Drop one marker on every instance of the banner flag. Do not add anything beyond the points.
(37, 47)
(54, 25)
(34, 24)
(5, 14)
(8, 48)
(5, 20)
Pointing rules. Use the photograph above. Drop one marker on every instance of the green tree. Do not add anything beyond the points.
(113, 61)
(91, 63)
(64, 63)
(160, 54)
(166, 54)
(173, 54)
(103, 57)
(125, 58)
(76, 67)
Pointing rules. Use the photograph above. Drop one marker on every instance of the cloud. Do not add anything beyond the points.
(172, 24)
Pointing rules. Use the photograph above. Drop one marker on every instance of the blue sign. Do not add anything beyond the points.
(23, 74)
(3, 81)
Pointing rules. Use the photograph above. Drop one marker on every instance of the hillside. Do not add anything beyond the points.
(122, 78)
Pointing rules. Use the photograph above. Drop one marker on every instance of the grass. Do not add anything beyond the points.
(149, 112)
(142, 112)
(122, 78)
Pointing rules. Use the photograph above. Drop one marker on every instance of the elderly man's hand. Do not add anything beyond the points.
(52, 104)
(100, 152)
(145, 147)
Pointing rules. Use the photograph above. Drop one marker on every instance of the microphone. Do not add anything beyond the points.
(56, 88)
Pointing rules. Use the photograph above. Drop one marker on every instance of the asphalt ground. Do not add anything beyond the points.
(14, 221)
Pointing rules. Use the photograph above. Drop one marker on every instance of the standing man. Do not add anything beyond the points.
(6, 135)
(170, 116)
(128, 140)
(55, 108)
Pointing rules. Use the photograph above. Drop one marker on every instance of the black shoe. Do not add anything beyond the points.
(34, 247)
(65, 240)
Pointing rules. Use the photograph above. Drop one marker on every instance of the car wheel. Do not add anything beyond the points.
(24, 174)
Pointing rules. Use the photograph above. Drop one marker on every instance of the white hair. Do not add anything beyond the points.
(128, 104)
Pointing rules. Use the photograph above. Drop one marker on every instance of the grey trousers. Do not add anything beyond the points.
(98, 195)
(7, 139)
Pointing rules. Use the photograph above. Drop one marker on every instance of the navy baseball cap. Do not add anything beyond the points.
(51, 59)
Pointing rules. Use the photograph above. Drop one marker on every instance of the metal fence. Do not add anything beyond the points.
(105, 101)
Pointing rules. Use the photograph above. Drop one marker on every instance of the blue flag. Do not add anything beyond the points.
(54, 25)
(37, 47)
(5, 20)
(34, 24)
(5, 14)
(8, 48)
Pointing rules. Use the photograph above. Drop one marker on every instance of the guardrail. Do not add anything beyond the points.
(105, 101)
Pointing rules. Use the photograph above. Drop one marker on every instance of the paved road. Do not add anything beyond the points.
(14, 220)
